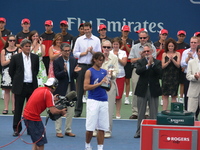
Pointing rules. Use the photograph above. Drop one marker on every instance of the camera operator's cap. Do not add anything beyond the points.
(2, 20)
(181, 32)
(25, 20)
(163, 31)
(64, 22)
(102, 26)
(48, 22)
(142, 29)
(197, 34)
(52, 82)
(126, 28)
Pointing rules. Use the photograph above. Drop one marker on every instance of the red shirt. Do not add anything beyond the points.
(37, 103)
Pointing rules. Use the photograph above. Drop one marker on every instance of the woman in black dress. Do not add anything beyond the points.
(170, 76)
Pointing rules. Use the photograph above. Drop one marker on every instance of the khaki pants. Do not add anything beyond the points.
(68, 122)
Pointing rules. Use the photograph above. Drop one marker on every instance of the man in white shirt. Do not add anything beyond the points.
(84, 49)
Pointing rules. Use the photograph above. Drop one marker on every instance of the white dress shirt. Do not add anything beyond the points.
(27, 68)
(82, 44)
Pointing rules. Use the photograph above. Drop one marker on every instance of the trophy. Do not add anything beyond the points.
(107, 85)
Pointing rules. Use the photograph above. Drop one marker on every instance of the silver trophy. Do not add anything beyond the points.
(107, 85)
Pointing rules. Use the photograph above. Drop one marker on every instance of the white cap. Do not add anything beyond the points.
(51, 82)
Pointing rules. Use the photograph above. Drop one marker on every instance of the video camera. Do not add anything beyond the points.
(63, 102)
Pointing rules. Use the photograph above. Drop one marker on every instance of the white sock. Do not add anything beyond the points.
(100, 147)
(87, 145)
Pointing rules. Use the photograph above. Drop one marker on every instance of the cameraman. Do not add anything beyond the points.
(40, 99)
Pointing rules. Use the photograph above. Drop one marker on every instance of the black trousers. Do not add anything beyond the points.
(80, 89)
(19, 103)
(46, 61)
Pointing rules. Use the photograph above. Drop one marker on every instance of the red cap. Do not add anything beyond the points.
(163, 31)
(81, 25)
(196, 33)
(25, 20)
(181, 32)
(2, 19)
(64, 22)
(48, 22)
(142, 29)
(125, 28)
(102, 26)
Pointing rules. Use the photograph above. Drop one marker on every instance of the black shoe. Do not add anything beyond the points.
(15, 133)
(137, 136)
(77, 115)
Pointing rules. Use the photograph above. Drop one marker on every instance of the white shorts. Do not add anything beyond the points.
(97, 115)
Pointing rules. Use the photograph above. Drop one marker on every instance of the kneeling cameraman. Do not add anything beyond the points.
(40, 99)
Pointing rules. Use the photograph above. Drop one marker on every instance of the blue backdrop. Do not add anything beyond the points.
(153, 15)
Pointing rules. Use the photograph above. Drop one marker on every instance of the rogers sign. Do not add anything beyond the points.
(172, 139)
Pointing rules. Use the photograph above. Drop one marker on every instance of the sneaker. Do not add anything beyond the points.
(126, 101)
(181, 100)
(84, 99)
(94, 133)
(161, 102)
(88, 148)
(107, 135)
(130, 94)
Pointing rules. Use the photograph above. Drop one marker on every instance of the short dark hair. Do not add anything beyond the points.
(96, 56)
(87, 24)
(64, 45)
(198, 47)
(24, 42)
(117, 39)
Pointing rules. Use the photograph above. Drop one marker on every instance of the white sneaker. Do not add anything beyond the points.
(130, 93)
(84, 99)
(126, 101)
(161, 102)
(181, 100)
(88, 148)
(107, 135)
(94, 133)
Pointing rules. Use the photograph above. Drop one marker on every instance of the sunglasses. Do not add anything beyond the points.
(146, 51)
(108, 47)
(11, 40)
(143, 37)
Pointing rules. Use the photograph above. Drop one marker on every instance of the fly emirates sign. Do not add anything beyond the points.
(115, 26)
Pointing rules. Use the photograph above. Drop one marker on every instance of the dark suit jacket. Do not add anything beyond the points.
(16, 71)
(63, 78)
(148, 77)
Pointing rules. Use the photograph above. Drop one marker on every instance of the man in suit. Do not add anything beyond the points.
(23, 70)
(193, 75)
(65, 68)
(148, 86)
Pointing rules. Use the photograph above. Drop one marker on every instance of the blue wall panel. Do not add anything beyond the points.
(153, 15)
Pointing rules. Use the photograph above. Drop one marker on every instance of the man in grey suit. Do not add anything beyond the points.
(148, 87)
(193, 75)
(23, 70)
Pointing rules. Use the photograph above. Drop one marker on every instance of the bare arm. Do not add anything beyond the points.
(87, 85)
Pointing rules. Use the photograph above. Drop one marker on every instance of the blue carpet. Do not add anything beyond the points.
(122, 136)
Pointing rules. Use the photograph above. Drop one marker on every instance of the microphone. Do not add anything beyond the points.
(71, 96)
